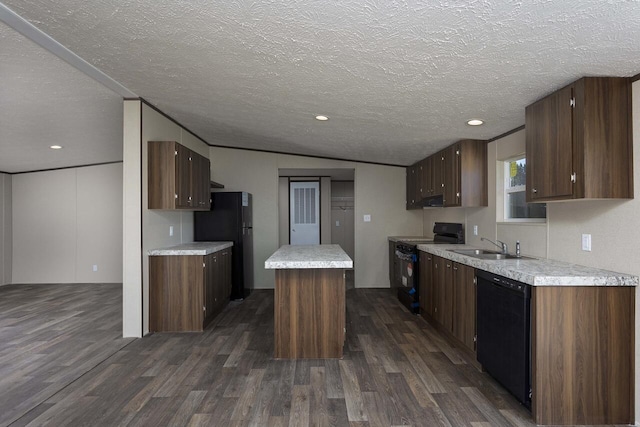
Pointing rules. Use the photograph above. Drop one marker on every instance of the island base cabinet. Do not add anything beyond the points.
(309, 313)
(582, 355)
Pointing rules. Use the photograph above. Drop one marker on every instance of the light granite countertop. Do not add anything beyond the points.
(536, 271)
(193, 248)
(312, 256)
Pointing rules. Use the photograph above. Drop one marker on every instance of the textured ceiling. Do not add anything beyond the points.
(44, 101)
(397, 78)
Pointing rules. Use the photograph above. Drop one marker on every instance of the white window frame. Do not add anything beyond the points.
(507, 189)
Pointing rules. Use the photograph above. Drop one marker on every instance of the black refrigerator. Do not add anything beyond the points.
(230, 219)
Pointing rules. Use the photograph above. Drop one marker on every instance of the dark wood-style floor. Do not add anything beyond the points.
(51, 335)
(396, 370)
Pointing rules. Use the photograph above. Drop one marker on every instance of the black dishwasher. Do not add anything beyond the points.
(504, 331)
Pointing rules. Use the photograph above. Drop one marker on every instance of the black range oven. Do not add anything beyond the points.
(406, 253)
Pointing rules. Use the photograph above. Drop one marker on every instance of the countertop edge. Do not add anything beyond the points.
(193, 248)
(513, 269)
(302, 265)
(289, 257)
(409, 239)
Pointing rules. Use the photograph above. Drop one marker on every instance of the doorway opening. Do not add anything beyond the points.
(335, 205)
(304, 212)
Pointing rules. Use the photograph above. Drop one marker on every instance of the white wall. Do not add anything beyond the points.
(378, 192)
(283, 211)
(64, 222)
(342, 216)
(613, 224)
(325, 210)
(5, 229)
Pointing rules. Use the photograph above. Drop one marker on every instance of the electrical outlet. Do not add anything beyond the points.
(337, 223)
(475, 230)
(171, 230)
(95, 267)
(367, 218)
(586, 242)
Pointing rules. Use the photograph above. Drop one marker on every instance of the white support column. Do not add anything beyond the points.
(132, 221)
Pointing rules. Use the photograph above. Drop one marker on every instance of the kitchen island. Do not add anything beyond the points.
(581, 333)
(309, 308)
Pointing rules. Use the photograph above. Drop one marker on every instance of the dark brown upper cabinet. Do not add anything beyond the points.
(178, 177)
(578, 142)
(412, 184)
(451, 176)
(455, 176)
(470, 181)
(425, 177)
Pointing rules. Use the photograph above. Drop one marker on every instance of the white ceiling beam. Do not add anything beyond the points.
(39, 37)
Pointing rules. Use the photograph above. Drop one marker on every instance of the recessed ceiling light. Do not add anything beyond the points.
(475, 122)
(56, 147)
(322, 118)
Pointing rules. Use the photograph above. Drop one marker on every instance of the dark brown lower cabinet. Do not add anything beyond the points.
(445, 289)
(464, 305)
(187, 291)
(425, 283)
(217, 289)
(441, 292)
(582, 355)
(448, 297)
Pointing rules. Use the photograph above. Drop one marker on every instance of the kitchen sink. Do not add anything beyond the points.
(486, 254)
(474, 252)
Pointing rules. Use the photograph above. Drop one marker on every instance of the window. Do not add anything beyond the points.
(516, 207)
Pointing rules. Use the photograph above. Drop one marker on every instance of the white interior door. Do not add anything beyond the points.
(304, 213)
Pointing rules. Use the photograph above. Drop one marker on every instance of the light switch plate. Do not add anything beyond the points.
(171, 230)
(95, 267)
(586, 242)
(475, 230)
(367, 218)
(337, 223)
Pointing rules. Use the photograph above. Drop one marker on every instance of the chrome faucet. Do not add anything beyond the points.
(502, 245)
